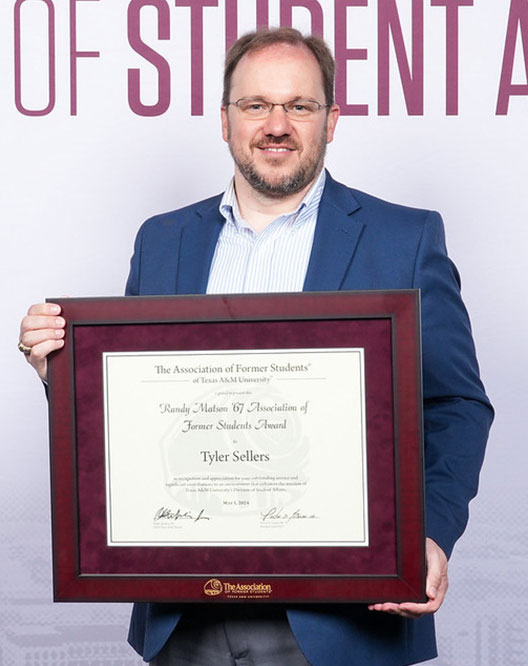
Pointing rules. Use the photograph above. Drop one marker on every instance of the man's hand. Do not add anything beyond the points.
(435, 586)
(42, 330)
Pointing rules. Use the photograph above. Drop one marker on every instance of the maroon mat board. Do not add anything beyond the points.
(385, 324)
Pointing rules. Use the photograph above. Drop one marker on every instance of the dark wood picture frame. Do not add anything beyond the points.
(391, 568)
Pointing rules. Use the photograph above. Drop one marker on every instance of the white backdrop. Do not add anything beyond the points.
(78, 179)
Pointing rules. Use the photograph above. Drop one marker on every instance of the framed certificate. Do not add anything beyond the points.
(238, 448)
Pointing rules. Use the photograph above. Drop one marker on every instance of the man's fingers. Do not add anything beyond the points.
(32, 338)
(408, 609)
(387, 607)
(40, 351)
(436, 583)
(42, 332)
(436, 590)
(42, 316)
(37, 322)
(44, 309)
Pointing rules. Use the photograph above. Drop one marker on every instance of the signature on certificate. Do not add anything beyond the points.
(170, 514)
(278, 514)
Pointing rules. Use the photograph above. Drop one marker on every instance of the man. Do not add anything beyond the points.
(283, 224)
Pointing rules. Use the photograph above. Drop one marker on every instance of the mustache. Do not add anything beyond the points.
(283, 141)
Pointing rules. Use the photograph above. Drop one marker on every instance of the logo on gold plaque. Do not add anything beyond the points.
(213, 587)
(253, 590)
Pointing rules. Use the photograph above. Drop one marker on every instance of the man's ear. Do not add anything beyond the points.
(331, 122)
(225, 123)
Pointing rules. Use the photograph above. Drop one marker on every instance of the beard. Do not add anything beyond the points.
(280, 186)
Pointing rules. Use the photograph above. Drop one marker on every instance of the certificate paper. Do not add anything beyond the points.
(236, 448)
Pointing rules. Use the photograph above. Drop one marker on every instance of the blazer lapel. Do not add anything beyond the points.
(198, 244)
(336, 236)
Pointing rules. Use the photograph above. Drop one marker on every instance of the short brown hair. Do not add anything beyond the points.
(260, 39)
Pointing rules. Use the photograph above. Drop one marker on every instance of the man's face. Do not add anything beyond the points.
(276, 155)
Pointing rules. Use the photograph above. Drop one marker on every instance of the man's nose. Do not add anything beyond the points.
(277, 122)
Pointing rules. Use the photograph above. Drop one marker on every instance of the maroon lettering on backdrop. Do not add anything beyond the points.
(452, 50)
(412, 78)
(231, 23)
(159, 62)
(18, 60)
(343, 55)
(315, 9)
(262, 14)
(197, 7)
(517, 22)
(74, 54)
(231, 19)
(409, 51)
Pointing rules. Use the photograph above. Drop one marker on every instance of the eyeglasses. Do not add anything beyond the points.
(257, 108)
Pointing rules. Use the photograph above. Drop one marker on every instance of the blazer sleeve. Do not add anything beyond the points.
(132, 287)
(457, 412)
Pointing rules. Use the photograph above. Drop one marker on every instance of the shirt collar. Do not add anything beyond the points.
(229, 205)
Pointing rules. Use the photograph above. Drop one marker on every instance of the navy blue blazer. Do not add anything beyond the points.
(360, 242)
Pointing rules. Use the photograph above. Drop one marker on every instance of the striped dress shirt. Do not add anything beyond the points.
(275, 259)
